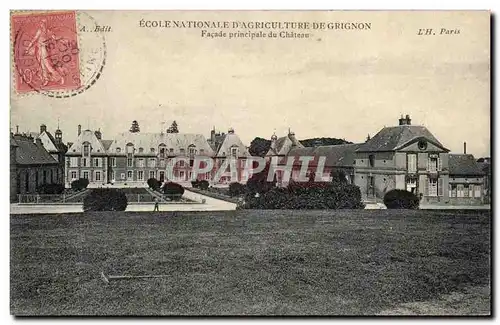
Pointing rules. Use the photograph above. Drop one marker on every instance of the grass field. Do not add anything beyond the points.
(245, 262)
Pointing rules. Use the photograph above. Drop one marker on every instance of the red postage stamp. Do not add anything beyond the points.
(46, 52)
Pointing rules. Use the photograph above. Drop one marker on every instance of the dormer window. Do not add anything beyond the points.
(192, 150)
(182, 151)
(86, 149)
(234, 151)
(152, 150)
(118, 150)
(141, 150)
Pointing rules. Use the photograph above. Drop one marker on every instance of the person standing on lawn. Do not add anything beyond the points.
(157, 207)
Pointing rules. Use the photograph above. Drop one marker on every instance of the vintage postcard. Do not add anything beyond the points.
(195, 163)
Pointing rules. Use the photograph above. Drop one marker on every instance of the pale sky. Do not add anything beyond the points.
(338, 83)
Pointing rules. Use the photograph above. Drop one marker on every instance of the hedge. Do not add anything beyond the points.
(105, 199)
(401, 199)
(80, 184)
(50, 189)
(236, 189)
(173, 190)
(203, 184)
(319, 195)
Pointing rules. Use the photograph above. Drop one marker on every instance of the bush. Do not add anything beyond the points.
(79, 184)
(309, 195)
(153, 184)
(108, 199)
(203, 185)
(401, 199)
(173, 190)
(236, 189)
(50, 189)
(258, 182)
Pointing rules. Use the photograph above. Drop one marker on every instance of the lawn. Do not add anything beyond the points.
(245, 262)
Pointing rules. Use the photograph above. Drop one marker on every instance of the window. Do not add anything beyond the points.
(182, 151)
(191, 162)
(181, 174)
(86, 149)
(412, 163)
(477, 190)
(171, 150)
(466, 190)
(85, 162)
(207, 175)
(118, 150)
(140, 162)
(141, 150)
(234, 152)
(162, 162)
(432, 164)
(140, 175)
(122, 175)
(130, 162)
(371, 160)
(433, 182)
(113, 161)
(73, 175)
(97, 176)
(181, 163)
(152, 150)
(460, 190)
(96, 162)
(202, 151)
(152, 174)
(152, 162)
(162, 152)
(192, 151)
(86, 175)
(73, 162)
(453, 190)
(130, 175)
(130, 148)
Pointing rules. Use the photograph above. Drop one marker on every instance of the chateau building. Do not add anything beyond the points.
(337, 157)
(132, 157)
(31, 165)
(404, 156)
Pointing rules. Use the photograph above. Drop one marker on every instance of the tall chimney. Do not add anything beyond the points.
(212, 135)
(17, 129)
(79, 129)
(401, 120)
(465, 148)
(408, 119)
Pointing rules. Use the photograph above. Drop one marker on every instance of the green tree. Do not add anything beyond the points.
(134, 128)
(173, 128)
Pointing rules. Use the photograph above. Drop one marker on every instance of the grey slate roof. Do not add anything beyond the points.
(395, 137)
(463, 165)
(29, 153)
(106, 144)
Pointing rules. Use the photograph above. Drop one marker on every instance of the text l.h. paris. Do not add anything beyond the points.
(439, 31)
